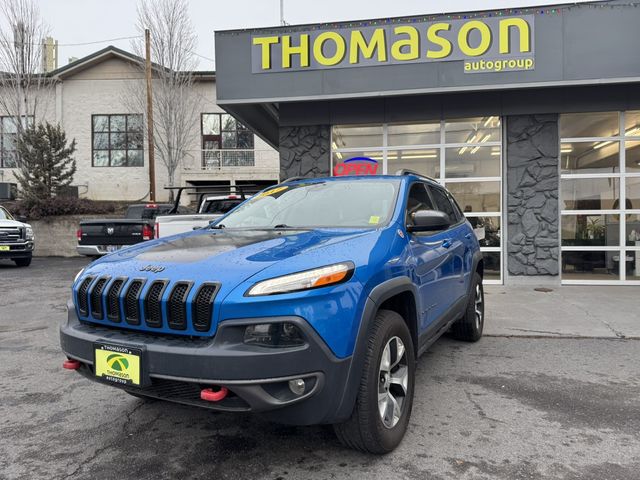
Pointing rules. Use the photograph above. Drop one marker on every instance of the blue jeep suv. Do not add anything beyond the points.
(309, 303)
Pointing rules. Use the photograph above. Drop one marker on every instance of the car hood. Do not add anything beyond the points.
(11, 223)
(225, 256)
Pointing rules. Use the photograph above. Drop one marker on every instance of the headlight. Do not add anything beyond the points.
(29, 233)
(318, 277)
(78, 275)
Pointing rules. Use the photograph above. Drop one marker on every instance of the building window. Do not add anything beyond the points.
(117, 140)
(225, 142)
(600, 197)
(9, 140)
(465, 155)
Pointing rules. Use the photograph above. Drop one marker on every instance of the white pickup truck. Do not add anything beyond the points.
(212, 206)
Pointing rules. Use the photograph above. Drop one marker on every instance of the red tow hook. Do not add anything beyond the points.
(209, 395)
(71, 364)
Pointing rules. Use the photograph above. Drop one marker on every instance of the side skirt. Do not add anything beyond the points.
(440, 326)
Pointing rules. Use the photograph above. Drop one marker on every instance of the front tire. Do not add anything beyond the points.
(469, 327)
(381, 414)
(22, 262)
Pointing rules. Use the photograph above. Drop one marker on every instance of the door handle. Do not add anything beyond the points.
(446, 243)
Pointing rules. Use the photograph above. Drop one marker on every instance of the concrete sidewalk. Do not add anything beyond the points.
(567, 311)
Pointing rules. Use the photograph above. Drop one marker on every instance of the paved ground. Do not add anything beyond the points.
(503, 408)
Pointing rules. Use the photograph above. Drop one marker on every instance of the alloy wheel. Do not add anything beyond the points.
(478, 307)
(393, 377)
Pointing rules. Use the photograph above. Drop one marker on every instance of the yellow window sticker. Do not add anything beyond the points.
(374, 219)
(273, 191)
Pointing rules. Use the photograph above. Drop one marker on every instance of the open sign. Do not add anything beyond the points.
(356, 166)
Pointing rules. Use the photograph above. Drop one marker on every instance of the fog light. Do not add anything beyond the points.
(297, 386)
(273, 335)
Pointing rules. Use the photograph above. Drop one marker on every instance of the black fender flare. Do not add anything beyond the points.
(377, 297)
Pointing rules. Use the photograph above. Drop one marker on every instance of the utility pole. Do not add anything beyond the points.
(152, 166)
(282, 22)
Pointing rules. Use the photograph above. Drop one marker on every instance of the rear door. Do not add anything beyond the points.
(454, 240)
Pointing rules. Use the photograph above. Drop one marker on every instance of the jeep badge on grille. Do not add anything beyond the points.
(152, 268)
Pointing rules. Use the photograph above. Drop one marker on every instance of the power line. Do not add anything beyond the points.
(76, 44)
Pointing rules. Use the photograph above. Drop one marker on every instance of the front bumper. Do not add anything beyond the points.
(18, 250)
(257, 377)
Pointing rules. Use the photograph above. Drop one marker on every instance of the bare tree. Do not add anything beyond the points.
(175, 106)
(22, 83)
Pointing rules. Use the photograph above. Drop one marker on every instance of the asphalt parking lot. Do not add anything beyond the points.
(503, 408)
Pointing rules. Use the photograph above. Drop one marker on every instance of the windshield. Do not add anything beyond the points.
(4, 215)
(220, 206)
(357, 204)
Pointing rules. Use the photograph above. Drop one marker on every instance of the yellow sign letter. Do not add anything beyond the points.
(485, 38)
(302, 50)
(413, 42)
(443, 43)
(337, 57)
(359, 43)
(523, 30)
(265, 43)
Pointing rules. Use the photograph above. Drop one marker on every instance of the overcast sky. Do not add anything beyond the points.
(80, 21)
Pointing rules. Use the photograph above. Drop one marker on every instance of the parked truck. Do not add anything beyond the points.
(17, 240)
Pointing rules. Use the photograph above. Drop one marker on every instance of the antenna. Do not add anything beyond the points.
(282, 20)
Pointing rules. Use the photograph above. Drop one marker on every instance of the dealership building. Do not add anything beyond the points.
(530, 117)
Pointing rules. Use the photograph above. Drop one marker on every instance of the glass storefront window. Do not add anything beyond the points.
(426, 162)
(632, 123)
(633, 193)
(491, 265)
(487, 229)
(476, 196)
(414, 134)
(463, 162)
(632, 154)
(589, 193)
(357, 136)
(340, 157)
(473, 130)
(633, 230)
(592, 265)
(590, 157)
(590, 230)
(580, 125)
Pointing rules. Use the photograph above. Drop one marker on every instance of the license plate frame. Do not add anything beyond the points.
(118, 364)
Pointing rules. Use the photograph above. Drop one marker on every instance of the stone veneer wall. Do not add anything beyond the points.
(532, 195)
(304, 151)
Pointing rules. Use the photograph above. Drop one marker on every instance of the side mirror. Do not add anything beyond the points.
(429, 221)
(21, 218)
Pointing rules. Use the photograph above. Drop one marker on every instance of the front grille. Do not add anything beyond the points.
(83, 303)
(153, 305)
(203, 306)
(131, 304)
(177, 307)
(120, 300)
(10, 235)
(113, 300)
(95, 298)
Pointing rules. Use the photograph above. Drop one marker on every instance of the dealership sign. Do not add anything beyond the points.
(356, 166)
(491, 44)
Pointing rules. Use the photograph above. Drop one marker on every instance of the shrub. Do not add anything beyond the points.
(34, 209)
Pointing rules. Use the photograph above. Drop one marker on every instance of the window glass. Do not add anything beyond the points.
(117, 140)
(8, 140)
(600, 124)
(210, 124)
(9, 125)
(356, 136)
(442, 203)
(418, 199)
(589, 193)
(228, 122)
(633, 193)
(473, 130)
(426, 162)
(491, 265)
(406, 134)
(488, 229)
(633, 230)
(590, 230)
(476, 196)
(472, 162)
(590, 157)
(592, 265)
(632, 123)
(632, 156)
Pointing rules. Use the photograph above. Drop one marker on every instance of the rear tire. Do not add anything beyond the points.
(22, 262)
(381, 414)
(469, 327)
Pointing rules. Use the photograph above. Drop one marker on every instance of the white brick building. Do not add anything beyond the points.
(89, 102)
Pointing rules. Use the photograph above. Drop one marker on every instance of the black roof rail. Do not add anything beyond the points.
(406, 171)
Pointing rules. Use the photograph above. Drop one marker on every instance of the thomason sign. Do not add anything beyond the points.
(489, 44)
